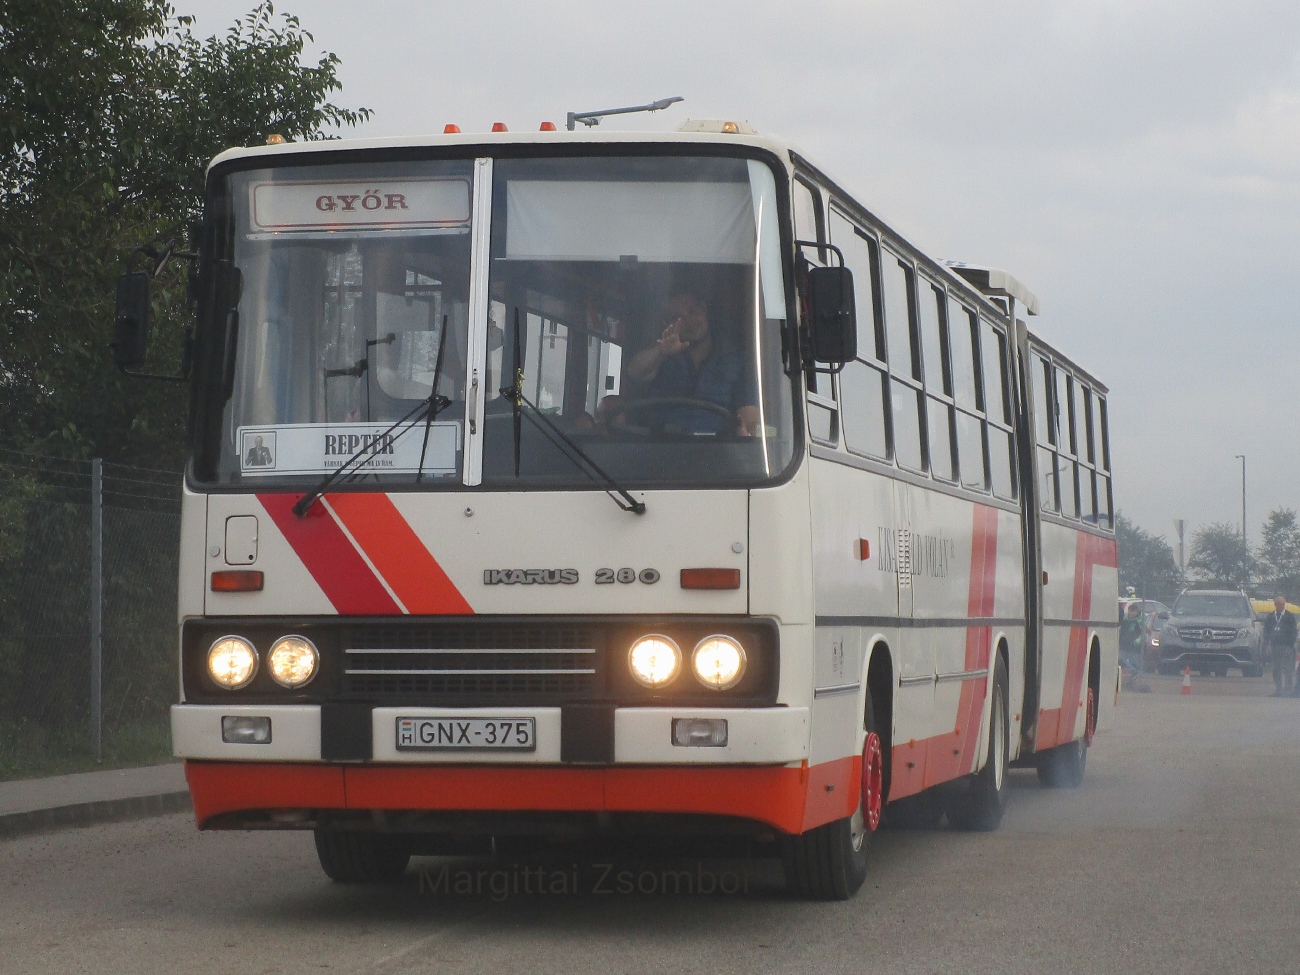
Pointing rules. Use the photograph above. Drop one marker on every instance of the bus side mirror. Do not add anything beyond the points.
(833, 320)
(131, 320)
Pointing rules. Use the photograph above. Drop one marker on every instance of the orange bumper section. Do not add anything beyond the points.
(789, 799)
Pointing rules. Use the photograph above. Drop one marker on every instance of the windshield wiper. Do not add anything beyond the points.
(515, 393)
(432, 406)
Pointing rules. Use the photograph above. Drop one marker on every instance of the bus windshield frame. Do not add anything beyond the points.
(659, 341)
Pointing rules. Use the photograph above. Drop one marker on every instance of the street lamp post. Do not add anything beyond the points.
(1242, 458)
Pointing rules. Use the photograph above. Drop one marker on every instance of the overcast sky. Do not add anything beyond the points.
(1137, 164)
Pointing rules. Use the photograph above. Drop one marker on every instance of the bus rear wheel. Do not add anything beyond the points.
(355, 857)
(830, 862)
(1062, 767)
(980, 805)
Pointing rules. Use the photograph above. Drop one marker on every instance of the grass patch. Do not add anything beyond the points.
(29, 751)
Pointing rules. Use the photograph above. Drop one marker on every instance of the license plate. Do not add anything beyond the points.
(467, 734)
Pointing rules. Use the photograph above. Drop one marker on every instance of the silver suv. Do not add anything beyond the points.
(1210, 630)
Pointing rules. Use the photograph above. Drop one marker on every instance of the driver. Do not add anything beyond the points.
(691, 361)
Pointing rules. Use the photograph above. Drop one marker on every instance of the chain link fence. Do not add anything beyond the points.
(88, 659)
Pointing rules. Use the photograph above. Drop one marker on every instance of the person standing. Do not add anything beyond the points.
(1279, 637)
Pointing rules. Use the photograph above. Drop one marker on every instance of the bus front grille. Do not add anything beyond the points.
(467, 661)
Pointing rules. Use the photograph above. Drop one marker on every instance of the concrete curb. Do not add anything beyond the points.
(92, 813)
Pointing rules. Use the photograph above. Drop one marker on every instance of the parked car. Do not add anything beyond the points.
(1210, 630)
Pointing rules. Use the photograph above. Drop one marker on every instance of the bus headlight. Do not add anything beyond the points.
(654, 660)
(293, 661)
(232, 662)
(719, 662)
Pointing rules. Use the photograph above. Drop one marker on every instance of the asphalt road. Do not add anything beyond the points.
(1180, 853)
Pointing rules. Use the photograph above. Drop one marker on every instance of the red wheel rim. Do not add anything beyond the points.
(1090, 722)
(873, 781)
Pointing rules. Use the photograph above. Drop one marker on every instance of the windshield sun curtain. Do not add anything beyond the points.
(646, 293)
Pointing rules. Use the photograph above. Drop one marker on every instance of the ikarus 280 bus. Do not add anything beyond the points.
(575, 481)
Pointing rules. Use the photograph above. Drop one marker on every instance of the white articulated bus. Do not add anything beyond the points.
(583, 481)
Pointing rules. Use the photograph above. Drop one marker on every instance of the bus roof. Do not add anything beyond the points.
(778, 146)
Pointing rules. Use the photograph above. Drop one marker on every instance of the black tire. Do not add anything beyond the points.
(830, 862)
(978, 805)
(354, 857)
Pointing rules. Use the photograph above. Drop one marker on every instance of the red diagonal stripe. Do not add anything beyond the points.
(336, 566)
(397, 553)
(983, 589)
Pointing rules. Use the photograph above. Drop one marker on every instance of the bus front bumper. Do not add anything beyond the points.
(762, 774)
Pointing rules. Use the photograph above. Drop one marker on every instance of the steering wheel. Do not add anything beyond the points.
(651, 402)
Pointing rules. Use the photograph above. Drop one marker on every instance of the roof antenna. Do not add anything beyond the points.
(593, 118)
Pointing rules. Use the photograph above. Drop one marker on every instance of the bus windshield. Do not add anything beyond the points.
(641, 299)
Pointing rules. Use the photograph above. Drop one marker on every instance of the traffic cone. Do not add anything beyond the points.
(1187, 681)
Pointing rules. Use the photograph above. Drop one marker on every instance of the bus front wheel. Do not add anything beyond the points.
(830, 862)
(355, 857)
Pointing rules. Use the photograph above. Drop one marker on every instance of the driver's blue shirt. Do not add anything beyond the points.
(721, 378)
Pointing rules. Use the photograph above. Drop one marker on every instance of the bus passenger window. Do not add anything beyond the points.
(1044, 429)
(1047, 462)
(934, 344)
(1002, 462)
(808, 223)
(862, 402)
(860, 257)
(993, 351)
(1065, 412)
(970, 451)
(897, 287)
(906, 403)
(960, 341)
(822, 425)
(940, 426)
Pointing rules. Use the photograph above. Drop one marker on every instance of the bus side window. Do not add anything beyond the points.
(963, 345)
(1087, 458)
(1069, 476)
(1105, 516)
(940, 419)
(906, 396)
(860, 253)
(997, 402)
(864, 385)
(809, 224)
(1045, 424)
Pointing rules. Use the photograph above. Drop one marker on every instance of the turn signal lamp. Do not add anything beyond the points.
(293, 661)
(238, 580)
(451, 128)
(499, 127)
(719, 662)
(710, 578)
(654, 660)
(232, 662)
(547, 127)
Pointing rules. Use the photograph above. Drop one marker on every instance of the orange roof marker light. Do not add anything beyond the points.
(547, 127)
(451, 128)
(275, 139)
(499, 127)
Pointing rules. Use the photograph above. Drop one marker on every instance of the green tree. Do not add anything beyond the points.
(1279, 553)
(1146, 562)
(109, 113)
(1220, 556)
